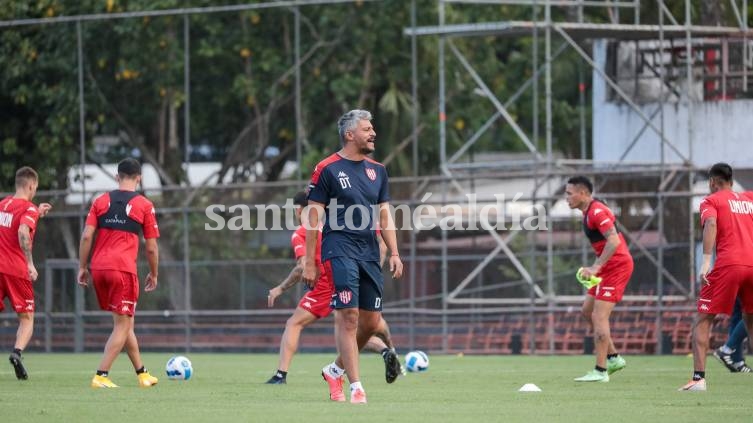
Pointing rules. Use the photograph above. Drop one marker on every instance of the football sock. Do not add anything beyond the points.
(356, 385)
(141, 370)
(385, 351)
(611, 356)
(103, 373)
(600, 369)
(725, 349)
(738, 363)
(335, 370)
(17, 351)
(699, 375)
(280, 374)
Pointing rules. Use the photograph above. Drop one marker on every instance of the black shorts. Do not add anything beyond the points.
(357, 283)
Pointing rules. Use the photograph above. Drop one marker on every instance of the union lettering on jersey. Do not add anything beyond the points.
(740, 206)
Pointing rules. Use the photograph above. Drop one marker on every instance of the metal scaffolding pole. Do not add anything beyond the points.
(79, 327)
(414, 116)
(549, 228)
(660, 202)
(186, 221)
(298, 107)
(443, 160)
(689, 101)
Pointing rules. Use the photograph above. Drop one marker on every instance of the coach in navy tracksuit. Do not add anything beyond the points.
(350, 192)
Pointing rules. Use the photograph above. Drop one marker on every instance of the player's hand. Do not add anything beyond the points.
(32, 272)
(150, 282)
(310, 273)
(396, 267)
(83, 277)
(702, 275)
(587, 272)
(44, 208)
(273, 294)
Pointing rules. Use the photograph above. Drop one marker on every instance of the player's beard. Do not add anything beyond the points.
(366, 149)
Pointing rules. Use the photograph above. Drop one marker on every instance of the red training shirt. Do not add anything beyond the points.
(597, 219)
(118, 249)
(13, 213)
(734, 226)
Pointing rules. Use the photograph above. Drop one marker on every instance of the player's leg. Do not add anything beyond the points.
(717, 296)
(146, 380)
(289, 342)
(375, 344)
(701, 332)
(113, 347)
(602, 334)
(109, 289)
(23, 336)
(382, 343)
(745, 296)
(346, 329)
(383, 333)
(586, 311)
(345, 278)
(21, 295)
(731, 354)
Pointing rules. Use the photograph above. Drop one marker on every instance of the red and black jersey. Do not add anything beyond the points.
(120, 216)
(598, 219)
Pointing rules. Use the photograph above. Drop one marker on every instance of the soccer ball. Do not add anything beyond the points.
(416, 361)
(179, 368)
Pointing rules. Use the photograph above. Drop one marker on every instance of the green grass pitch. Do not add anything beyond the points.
(230, 388)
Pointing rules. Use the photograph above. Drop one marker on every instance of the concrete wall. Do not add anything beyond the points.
(722, 130)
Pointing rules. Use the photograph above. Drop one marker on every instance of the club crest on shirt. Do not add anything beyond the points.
(371, 173)
(345, 296)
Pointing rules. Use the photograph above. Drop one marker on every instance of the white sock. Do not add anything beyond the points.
(725, 349)
(356, 385)
(334, 370)
(739, 363)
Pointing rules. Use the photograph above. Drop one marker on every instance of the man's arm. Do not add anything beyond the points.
(84, 249)
(387, 226)
(613, 241)
(24, 240)
(709, 241)
(313, 213)
(152, 257)
(382, 249)
(293, 278)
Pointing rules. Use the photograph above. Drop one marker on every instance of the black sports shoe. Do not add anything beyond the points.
(18, 366)
(725, 359)
(743, 368)
(391, 366)
(277, 379)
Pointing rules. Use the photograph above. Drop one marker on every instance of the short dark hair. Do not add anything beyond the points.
(25, 175)
(301, 199)
(721, 171)
(129, 167)
(582, 181)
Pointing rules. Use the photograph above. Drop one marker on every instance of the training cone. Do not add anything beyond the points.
(529, 387)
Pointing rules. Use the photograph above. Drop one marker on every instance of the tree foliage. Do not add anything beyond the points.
(242, 82)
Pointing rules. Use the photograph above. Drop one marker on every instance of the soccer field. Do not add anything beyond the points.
(230, 388)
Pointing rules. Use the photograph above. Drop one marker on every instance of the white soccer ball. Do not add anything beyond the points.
(179, 368)
(416, 361)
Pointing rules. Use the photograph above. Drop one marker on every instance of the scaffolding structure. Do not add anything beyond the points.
(543, 164)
